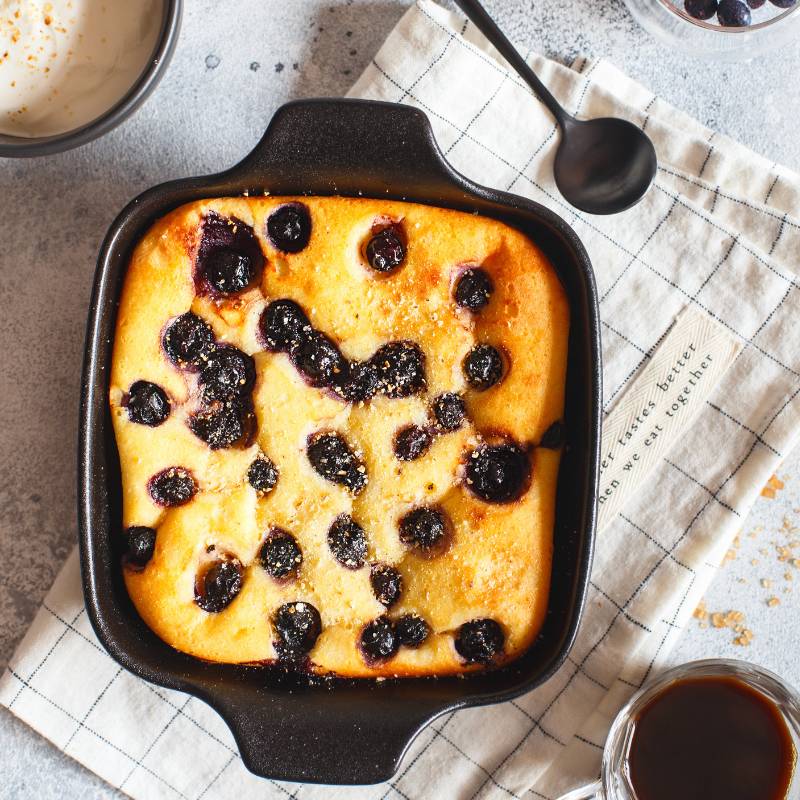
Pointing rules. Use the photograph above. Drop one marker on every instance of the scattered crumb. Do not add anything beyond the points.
(766, 583)
(773, 601)
(774, 485)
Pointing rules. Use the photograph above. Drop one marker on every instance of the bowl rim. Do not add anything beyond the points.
(29, 147)
(400, 141)
(670, 6)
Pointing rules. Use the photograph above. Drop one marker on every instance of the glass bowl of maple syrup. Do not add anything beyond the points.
(718, 729)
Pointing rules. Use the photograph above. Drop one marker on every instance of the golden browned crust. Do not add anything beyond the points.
(498, 564)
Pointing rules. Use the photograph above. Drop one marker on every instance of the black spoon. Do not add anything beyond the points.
(602, 166)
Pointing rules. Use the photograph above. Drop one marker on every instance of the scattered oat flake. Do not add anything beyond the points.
(773, 601)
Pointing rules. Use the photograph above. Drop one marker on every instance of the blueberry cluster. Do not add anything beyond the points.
(382, 637)
(225, 377)
(413, 441)
(729, 13)
(396, 370)
(229, 258)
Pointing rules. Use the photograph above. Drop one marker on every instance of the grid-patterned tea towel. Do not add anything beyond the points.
(715, 233)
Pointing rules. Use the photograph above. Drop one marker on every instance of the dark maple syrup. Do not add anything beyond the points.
(713, 738)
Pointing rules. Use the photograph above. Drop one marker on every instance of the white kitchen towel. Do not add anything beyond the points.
(716, 234)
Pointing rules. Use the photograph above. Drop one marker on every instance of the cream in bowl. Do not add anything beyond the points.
(64, 63)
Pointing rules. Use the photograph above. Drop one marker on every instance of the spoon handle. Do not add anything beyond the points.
(488, 27)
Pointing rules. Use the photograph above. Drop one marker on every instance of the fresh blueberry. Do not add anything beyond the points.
(387, 584)
(733, 14)
(228, 373)
(188, 341)
(280, 555)
(218, 583)
(411, 442)
(412, 630)
(348, 542)
(319, 359)
(359, 382)
(223, 424)
(498, 473)
(424, 528)
(140, 543)
(449, 410)
(701, 9)
(289, 227)
(263, 475)
(483, 367)
(227, 271)
(401, 369)
(332, 458)
(173, 486)
(758, 3)
(479, 641)
(283, 324)
(385, 250)
(553, 437)
(298, 626)
(378, 640)
(229, 257)
(147, 404)
(473, 289)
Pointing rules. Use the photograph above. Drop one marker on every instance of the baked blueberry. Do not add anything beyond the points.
(319, 359)
(147, 404)
(733, 14)
(221, 425)
(411, 442)
(359, 382)
(385, 250)
(298, 626)
(188, 340)
(479, 641)
(449, 410)
(263, 475)
(173, 486)
(280, 554)
(289, 227)
(411, 630)
(228, 373)
(348, 542)
(498, 473)
(700, 9)
(229, 257)
(483, 367)
(473, 289)
(140, 543)
(227, 271)
(333, 459)
(553, 437)
(378, 640)
(783, 3)
(423, 527)
(218, 583)
(387, 584)
(283, 324)
(401, 369)
(758, 3)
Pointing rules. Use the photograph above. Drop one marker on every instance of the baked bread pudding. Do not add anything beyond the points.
(338, 423)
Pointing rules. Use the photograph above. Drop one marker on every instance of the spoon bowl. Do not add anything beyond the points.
(604, 166)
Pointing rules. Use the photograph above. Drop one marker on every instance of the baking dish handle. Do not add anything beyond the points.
(347, 740)
(329, 145)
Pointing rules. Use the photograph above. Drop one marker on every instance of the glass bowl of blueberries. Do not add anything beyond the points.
(732, 30)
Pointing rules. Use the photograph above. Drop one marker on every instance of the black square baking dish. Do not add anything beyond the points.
(354, 731)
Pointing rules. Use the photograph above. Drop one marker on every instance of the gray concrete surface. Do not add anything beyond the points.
(236, 62)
